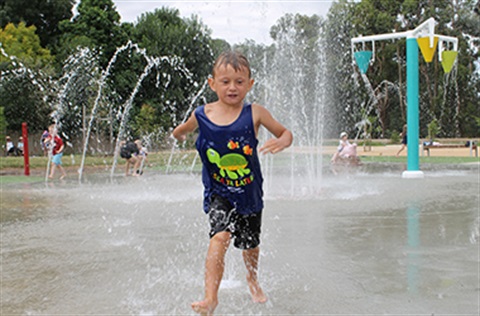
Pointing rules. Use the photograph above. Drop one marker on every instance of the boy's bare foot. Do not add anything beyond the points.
(257, 293)
(62, 177)
(204, 308)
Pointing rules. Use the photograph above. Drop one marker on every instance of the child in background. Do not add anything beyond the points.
(43, 143)
(20, 145)
(129, 151)
(142, 156)
(57, 151)
(233, 193)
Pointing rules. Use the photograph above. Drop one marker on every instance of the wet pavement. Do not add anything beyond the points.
(363, 243)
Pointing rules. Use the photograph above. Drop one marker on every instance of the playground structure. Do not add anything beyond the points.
(424, 37)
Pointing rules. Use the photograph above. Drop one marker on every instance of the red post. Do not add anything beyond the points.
(25, 149)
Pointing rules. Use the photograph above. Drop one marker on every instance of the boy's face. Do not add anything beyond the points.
(230, 86)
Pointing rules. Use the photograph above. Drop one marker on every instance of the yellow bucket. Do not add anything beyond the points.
(427, 51)
(448, 59)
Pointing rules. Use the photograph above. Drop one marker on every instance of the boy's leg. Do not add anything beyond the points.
(250, 257)
(64, 174)
(52, 172)
(214, 267)
(136, 166)
(127, 167)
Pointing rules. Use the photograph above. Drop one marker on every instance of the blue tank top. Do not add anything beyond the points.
(231, 167)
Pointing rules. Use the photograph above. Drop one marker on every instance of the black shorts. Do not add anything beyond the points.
(245, 229)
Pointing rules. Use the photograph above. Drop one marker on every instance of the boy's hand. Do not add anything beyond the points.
(273, 145)
(179, 137)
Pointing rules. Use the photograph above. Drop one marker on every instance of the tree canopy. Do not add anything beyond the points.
(44, 15)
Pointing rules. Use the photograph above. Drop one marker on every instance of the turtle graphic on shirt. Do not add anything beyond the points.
(233, 165)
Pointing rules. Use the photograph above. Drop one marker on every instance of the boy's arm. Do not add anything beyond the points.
(283, 136)
(182, 130)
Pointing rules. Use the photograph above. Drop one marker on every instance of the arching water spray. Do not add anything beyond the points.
(152, 63)
(101, 85)
(187, 114)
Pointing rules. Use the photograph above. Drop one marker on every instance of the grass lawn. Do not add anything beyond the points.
(430, 160)
(11, 168)
(20, 179)
(159, 160)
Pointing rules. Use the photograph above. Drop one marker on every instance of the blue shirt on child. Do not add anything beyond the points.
(231, 167)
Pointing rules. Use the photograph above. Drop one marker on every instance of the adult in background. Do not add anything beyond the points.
(345, 149)
(10, 149)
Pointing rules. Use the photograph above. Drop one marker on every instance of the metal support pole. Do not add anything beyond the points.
(413, 117)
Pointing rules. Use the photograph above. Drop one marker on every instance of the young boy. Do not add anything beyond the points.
(130, 151)
(233, 196)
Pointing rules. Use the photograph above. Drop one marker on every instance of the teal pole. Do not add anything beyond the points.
(412, 105)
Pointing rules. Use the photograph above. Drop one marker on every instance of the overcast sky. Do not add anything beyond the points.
(233, 21)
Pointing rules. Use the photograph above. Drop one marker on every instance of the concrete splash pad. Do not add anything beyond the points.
(365, 243)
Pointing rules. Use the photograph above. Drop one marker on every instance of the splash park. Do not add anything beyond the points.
(369, 243)
(380, 240)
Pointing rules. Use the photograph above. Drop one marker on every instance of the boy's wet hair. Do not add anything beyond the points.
(233, 58)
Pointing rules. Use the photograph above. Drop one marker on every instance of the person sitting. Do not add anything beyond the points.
(20, 145)
(10, 148)
(346, 151)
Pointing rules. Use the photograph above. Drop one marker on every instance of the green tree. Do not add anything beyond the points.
(97, 26)
(22, 42)
(43, 14)
(3, 124)
(165, 35)
(144, 122)
(24, 80)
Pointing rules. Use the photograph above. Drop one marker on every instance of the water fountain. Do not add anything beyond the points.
(364, 244)
(290, 85)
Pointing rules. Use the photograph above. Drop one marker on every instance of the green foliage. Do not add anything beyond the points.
(97, 25)
(23, 90)
(433, 129)
(23, 102)
(43, 14)
(164, 34)
(3, 124)
(144, 122)
(22, 42)
(395, 137)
